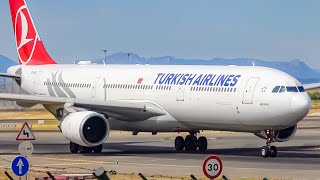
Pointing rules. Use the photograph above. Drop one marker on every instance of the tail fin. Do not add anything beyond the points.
(29, 46)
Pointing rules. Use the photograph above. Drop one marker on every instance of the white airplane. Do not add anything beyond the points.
(90, 100)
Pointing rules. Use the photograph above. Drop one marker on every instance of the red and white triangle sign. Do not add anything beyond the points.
(25, 133)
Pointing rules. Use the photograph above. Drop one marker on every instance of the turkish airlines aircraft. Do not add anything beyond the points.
(90, 100)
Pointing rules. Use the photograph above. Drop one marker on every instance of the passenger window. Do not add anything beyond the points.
(292, 89)
(282, 89)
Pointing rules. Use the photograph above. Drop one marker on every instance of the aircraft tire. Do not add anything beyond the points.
(97, 149)
(179, 143)
(265, 152)
(84, 150)
(273, 151)
(191, 143)
(202, 143)
(74, 148)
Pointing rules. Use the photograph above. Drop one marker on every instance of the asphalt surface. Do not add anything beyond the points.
(298, 158)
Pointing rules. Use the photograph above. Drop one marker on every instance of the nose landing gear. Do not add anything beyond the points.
(268, 150)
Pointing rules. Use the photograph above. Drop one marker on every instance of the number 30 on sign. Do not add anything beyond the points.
(212, 167)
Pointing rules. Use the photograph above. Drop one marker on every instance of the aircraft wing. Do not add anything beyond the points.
(126, 110)
(311, 86)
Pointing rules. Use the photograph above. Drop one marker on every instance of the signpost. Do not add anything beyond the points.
(212, 167)
(25, 133)
(20, 166)
(26, 148)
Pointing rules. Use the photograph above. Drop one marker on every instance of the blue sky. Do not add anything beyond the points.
(267, 29)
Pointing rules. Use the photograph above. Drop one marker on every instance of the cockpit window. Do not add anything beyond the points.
(292, 89)
(276, 89)
(301, 89)
(282, 89)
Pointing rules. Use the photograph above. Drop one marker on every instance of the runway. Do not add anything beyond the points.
(240, 153)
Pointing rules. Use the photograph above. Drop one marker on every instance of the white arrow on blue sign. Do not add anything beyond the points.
(20, 166)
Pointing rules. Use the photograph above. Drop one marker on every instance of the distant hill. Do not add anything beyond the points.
(5, 63)
(296, 68)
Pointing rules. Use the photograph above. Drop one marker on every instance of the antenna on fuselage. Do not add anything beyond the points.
(105, 56)
(253, 64)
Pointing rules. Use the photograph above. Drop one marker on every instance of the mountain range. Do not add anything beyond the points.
(5, 63)
(296, 68)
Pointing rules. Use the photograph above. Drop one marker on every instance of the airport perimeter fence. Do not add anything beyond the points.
(14, 125)
(9, 85)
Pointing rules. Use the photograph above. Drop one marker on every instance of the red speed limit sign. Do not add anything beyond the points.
(212, 167)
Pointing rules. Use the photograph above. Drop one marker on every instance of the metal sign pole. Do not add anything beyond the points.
(27, 173)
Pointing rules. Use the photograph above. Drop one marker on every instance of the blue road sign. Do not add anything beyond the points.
(20, 166)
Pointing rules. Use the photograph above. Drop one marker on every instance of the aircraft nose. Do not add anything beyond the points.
(300, 105)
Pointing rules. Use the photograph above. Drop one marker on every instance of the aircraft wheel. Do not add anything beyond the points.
(97, 149)
(179, 143)
(191, 143)
(265, 152)
(202, 143)
(83, 149)
(74, 148)
(273, 151)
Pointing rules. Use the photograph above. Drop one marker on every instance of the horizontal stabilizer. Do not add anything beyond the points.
(10, 76)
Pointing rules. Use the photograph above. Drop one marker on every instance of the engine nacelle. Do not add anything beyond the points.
(86, 128)
(280, 135)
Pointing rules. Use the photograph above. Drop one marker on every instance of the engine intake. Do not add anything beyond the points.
(280, 135)
(86, 128)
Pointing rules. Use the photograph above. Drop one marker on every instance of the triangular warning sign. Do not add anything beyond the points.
(25, 133)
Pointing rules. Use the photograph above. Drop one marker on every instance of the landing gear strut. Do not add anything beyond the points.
(268, 150)
(191, 143)
(75, 148)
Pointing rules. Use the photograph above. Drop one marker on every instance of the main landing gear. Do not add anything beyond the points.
(75, 148)
(191, 143)
(268, 150)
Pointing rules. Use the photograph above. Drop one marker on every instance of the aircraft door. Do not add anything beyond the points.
(36, 82)
(99, 89)
(249, 89)
(180, 93)
(95, 87)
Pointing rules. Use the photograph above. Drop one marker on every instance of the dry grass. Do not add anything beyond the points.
(35, 114)
(315, 107)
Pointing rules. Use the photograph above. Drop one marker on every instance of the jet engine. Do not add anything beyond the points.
(86, 128)
(280, 135)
